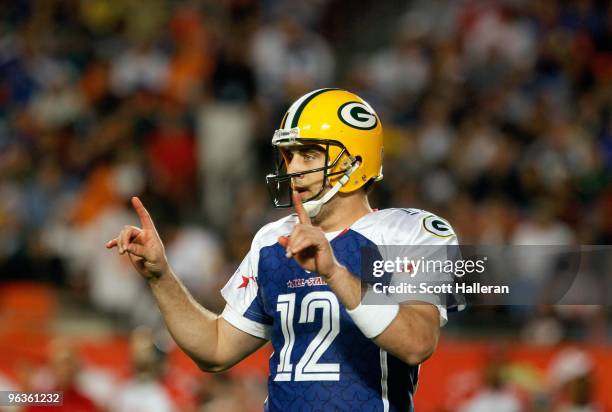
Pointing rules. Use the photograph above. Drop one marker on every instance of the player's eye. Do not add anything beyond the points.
(311, 154)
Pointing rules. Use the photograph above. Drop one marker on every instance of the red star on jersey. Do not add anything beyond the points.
(245, 281)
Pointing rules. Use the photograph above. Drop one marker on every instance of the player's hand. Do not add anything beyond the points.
(308, 245)
(143, 246)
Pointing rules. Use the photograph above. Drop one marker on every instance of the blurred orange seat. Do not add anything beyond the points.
(26, 306)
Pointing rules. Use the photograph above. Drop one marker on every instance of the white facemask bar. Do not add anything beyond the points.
(313, 207)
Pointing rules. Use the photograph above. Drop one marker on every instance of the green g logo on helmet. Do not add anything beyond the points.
(348, 131)
(357, 115)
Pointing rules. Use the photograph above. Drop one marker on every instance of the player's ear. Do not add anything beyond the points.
(368, 187)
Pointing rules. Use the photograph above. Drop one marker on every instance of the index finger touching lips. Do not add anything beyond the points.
(299, 208)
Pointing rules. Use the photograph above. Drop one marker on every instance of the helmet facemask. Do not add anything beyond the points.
(337, 164)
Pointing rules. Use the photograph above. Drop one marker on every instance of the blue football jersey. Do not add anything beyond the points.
(321, 360)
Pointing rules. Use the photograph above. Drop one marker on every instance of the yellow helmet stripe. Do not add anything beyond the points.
(293, 114)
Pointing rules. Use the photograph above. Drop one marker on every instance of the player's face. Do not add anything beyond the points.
(301, 159)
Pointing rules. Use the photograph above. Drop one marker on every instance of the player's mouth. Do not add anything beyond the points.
(302, 191)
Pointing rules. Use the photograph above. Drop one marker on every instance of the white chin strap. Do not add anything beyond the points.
(313, 207)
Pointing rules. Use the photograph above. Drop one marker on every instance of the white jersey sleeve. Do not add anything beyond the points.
(244, 307)
(431, 239)
(419, 236)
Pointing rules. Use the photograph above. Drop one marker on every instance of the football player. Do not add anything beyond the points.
(299, 286)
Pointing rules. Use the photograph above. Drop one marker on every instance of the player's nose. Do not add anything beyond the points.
(294, 166)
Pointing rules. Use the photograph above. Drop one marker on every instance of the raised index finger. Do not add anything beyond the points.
(143, 215)
(299, 208)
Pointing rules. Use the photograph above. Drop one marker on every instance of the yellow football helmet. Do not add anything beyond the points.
(349, 131)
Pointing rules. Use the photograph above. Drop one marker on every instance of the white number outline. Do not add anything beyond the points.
(308, 368)
(286, 306)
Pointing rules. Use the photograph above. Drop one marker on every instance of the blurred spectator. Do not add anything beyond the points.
(403, 70)
(62, 375)
(139, 67)
(171, 156)
(287, 55)
(59, 103)
(496, 394)
(225, 128)
(143, 392)
(571, 376)
(497, 31)
(223, 392)
(196, 256)
(544, 230)
(191, 64)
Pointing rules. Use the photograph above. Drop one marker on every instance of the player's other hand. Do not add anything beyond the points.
(143, 245)
(308, 245)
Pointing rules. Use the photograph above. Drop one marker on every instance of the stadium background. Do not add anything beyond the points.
(497, 115)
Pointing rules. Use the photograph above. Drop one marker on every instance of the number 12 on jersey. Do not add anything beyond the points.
(308, 367)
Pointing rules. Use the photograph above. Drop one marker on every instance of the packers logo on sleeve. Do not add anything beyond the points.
(437, 226)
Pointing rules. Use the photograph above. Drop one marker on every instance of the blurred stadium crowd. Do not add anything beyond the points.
(497, 116)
